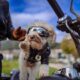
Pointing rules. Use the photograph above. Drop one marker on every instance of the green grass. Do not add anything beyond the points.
(52, 70)
(9, 65)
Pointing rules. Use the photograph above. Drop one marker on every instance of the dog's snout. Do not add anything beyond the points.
(32, 37)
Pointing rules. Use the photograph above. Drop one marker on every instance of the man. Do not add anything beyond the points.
(6, 28)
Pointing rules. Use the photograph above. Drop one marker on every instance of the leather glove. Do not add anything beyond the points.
(19, 34)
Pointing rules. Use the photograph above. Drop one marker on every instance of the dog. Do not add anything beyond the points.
(35, 51)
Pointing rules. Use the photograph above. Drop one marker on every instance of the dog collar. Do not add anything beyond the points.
(38, 57)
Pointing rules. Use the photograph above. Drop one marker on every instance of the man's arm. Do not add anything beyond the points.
(12, 33)
(8, 23)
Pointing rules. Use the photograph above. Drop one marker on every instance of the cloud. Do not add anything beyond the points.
(31, 6)
(24, 18)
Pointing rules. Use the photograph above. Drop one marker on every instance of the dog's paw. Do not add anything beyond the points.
(24, 45)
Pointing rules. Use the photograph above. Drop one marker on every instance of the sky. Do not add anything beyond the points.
(24, 12)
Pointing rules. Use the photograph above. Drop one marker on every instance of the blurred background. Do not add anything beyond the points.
(25, 12)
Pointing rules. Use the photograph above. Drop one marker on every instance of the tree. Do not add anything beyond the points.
(68, 47)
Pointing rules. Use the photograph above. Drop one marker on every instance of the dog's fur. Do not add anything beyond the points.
(36, 43)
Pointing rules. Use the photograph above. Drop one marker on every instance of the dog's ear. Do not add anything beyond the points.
(52, 34)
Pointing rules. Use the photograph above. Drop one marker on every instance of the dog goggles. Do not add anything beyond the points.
(40, 30)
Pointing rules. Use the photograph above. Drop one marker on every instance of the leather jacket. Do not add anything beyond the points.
(43, 53)
(5, 20)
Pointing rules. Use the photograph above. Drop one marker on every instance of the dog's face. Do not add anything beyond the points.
(37, 37)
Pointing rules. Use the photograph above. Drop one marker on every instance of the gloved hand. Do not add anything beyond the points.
(19, 34)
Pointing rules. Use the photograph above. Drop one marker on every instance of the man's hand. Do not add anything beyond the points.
(19, 34)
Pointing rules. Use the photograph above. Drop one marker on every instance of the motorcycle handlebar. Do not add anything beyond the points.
(74, 25)
(56, 8)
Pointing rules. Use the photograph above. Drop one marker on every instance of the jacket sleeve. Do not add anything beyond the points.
(8, 19)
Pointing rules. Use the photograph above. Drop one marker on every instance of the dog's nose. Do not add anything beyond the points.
(32, 37)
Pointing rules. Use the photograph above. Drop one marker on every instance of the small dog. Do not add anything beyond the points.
(35, 51)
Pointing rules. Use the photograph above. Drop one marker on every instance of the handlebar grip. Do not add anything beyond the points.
(56, 8)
